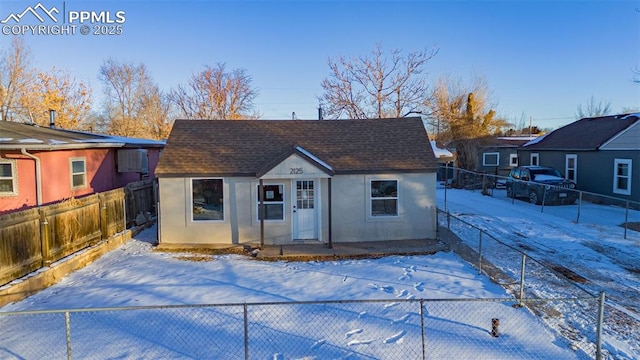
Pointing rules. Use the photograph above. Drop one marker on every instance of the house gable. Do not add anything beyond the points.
(299, 164)
(629, 139)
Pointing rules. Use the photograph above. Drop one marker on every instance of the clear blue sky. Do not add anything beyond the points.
(541, 59)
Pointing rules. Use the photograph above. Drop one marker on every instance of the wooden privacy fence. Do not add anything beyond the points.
(33, 238)
(141, 198)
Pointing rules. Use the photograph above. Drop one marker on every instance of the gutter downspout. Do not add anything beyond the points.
(38, 175)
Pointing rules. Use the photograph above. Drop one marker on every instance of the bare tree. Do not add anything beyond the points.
(15, 77)
(58, 90)
(216, 94)
(593, 109)
(376, 86)
(155, 114)
(134, 104)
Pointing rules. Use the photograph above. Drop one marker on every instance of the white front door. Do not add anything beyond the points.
(305, 224)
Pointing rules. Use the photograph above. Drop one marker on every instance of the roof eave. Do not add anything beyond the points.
(52, 147)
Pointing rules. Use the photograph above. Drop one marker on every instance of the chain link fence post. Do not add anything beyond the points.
(626, 220)
(579, 206)
(524, 260)
(480, 254)
(424, 348)
(599, 328)
(67, 326)
(246, 332)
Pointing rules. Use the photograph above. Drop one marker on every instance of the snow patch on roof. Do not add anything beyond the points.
(536, 140)
(57, 142)
(439, 152)
(517, 138)
(31, 141)
(6, 139)
(314, 158)
(630, 115)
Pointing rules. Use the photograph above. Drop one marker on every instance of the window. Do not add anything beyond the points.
(78, 173)
(513, 159)
(622, 176)
(490, 159)
(273, 198)
(571, 167)
(8, 177)
(208, 199)
(535, 159)
(384, 197)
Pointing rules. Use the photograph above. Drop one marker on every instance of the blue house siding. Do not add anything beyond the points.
(595, 169)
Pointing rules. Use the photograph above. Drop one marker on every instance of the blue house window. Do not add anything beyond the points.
(491, 159)
(622, 176)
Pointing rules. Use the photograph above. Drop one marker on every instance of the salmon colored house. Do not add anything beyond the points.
(41, 165)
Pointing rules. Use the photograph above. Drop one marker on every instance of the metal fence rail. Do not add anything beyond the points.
(626, 211)
(375, 329)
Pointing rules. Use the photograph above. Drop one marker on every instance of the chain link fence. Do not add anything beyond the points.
(377, 329)
(588, 207)
(525, 277)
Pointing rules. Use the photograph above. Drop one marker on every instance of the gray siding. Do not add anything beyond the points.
(351, 209)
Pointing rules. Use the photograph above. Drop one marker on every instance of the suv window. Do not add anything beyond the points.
(515, 173)
(524, 174)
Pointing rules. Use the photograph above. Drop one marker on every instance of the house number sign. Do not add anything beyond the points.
(296, 171)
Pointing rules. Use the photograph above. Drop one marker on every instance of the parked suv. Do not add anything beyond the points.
(538, 182)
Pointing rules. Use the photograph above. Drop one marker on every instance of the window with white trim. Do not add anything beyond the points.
(571, 167)
(78, 173)
(622, 176)
(384, 197)
(513, 160)
(207, 200)
(8, 177)
(534, 160)
(273, 198)
(490, 159)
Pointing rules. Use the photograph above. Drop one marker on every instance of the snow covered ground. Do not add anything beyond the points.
(136, 275)
(594, 250)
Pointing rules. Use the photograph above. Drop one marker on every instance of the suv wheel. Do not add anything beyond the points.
(534, 198)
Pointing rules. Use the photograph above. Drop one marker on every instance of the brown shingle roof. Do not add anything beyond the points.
(243, 148)
(584, 134)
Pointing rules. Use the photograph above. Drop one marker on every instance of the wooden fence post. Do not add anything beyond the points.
(44, 237)
(104, 224)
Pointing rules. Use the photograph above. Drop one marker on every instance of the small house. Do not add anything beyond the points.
(284, 181)
(600, 154)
